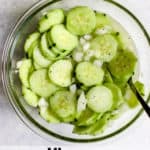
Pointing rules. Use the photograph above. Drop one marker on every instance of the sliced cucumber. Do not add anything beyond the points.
(105, 47)
(53, 17)
(32, 47)
(140, 87)
(37, 66)
(100, 125)
(123, 65)
(103, 24)
(102, 20)
(83, 130)
(60, 72)
(117, 95)
(24, 71)
(69, 119)
(49, 39)
(40, 59)
(107, 76)
(40, 83)
(30, 97)
(130, 98)
(56, 50)
(87, 117)
(63, 103)
(32, 38)
(93, 129)
(49, 52)
(47, 114)
(63, 39)
(100, 99)
(89, 74)
(122, 36)
(45, 48)
(81, 20)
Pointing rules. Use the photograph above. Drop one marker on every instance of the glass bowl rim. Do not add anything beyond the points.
(21, 112)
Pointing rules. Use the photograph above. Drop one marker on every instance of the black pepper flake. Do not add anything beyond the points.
(54, 44)
(26, 55)
(46, 16)
(117, 33)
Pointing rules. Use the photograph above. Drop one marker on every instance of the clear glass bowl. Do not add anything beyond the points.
(13, 51)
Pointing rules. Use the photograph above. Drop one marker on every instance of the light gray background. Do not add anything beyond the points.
(14, 132)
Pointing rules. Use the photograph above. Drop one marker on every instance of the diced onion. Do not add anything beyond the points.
(82, 41)
(87, 37)
(16, 71)
(86, 46)
(43, 103)
(98, 63)
(103, 30)
(82, 101)
(18, 65)
(90, 53)
(78, 56)
(73, 88)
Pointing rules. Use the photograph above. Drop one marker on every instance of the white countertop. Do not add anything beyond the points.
(12, 129)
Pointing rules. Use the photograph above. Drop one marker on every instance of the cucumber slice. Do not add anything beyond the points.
(89, 74)
(69, 119)
(117, 95)
(100, 125)
(40, 83)
(93, 129)
(49, 39)
(53, 17)
(45, 48)
(87, 117)
(48, 115)
(107, 77)
(102, 20)
(123, 65)
(30, 97)
(36, 66)
(122, 36)
(83, 130)
(103, 24)
(32, 47)
(63, 103)
(100, 99)
(32, 38)
(56, 50)
(130, 98)
(63, 38)
(48, 53)
(40, 59)
(24, 71)
(140, 87)
(60, 72)
(105, 47)
(81, 20)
